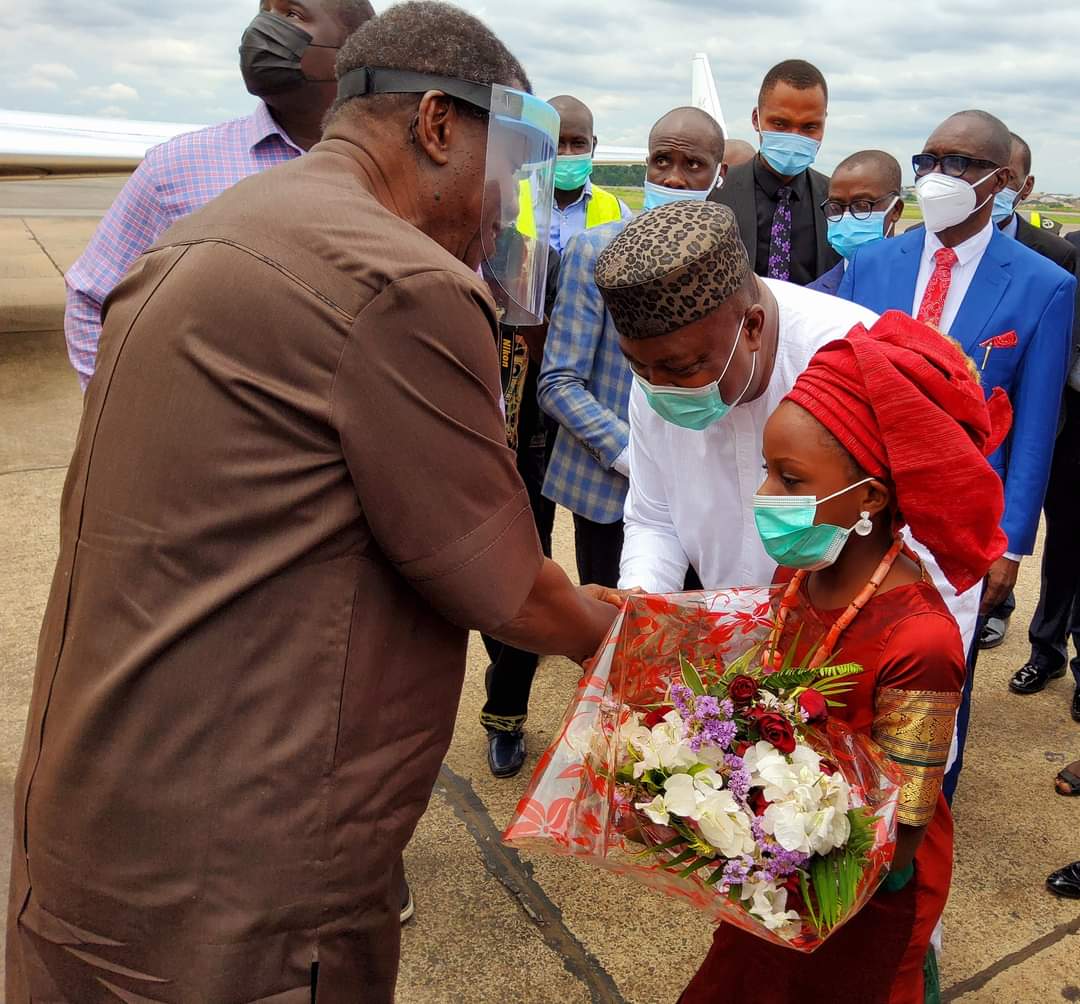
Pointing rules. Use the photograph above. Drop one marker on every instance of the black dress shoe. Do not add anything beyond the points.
(1030, 679)
(1066, 881)
(993, 633)
(506, 752)
(1076, 705)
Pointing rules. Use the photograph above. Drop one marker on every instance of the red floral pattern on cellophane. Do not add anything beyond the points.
(572, 808)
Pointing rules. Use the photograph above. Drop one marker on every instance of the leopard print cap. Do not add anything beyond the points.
(671, 266)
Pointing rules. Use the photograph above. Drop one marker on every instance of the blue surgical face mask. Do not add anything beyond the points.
(788, 153)
(695, 407)
(791, 538)
(848, 233)
(1004, 205)
(571, 172)
(661, 195)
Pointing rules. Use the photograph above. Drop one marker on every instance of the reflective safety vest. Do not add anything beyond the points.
(602, 208)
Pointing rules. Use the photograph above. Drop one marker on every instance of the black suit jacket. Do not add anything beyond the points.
(1061, 251)
(739, 194)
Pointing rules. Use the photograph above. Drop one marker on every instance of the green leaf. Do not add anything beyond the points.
(700, 863)
(690, 676)
(681, 859)
(658, 848)
(716, 876)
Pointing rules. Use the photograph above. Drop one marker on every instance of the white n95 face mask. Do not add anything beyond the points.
(946, 201)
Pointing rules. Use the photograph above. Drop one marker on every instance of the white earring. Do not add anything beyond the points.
(865, 525)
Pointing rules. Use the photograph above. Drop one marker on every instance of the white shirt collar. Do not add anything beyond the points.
(968, 251)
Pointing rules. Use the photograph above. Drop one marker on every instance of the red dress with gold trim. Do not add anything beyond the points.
(906, 697)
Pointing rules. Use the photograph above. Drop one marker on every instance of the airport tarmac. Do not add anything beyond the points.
(494, 926)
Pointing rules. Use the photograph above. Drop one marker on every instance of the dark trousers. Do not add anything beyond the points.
(1005, 609)
(510, 676)
(1057, 617)
(598, 549)
(963, 714)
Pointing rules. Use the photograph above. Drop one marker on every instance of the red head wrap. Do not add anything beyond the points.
(904, 401)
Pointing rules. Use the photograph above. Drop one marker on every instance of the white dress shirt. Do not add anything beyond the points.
(968, 256)
(690, 497)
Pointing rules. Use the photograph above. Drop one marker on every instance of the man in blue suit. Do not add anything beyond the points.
(1009, 307)
(863, 207)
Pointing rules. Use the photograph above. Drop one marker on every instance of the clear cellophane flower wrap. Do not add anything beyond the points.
(582, 801)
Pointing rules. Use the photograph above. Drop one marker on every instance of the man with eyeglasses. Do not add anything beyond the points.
(863, 207)
(1010, 308)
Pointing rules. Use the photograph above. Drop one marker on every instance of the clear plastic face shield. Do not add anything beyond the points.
(519, 180)
(519, 189)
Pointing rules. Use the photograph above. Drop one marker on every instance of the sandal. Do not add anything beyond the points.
(1067, 781)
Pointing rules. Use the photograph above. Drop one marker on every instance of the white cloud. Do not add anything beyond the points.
(111, 92)
(891, 81)
(113, 112)
(44, 77)
(53, 71)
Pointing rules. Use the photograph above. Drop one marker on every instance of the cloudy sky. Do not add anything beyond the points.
(894, 70)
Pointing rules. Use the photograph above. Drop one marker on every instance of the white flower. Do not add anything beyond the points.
(809, 808)
(661, 748)
(656, 810)
(724, 824)
(684, 795)
(781, 775)
(769, 905)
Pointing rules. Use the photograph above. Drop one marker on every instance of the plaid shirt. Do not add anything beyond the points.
(585, 386)
(176, 178)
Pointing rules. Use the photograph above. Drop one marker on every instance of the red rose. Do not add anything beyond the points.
(758, 802)
(656, 717)
(828, 767)
(756, 713)
(777, 730)
(743, 689)
(741, 748)
(814, 704)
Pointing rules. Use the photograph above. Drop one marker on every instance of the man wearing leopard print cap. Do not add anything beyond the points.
(713, 348)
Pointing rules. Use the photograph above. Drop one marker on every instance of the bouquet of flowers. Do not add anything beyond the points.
(692, 763)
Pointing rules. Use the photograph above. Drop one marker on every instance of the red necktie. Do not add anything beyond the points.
(933, 301)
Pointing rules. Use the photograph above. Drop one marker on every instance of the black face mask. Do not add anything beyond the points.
(270, 52)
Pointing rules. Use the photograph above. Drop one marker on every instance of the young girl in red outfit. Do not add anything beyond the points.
(886, 427)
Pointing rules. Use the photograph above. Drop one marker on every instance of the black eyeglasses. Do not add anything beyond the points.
(860, 209)
(955, 165)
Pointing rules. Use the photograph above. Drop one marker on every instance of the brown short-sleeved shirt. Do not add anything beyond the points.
(290, 497)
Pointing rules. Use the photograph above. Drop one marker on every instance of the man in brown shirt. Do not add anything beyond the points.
(290, 497)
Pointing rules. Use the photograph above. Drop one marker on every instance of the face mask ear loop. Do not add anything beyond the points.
(731, 355)
(829, 498)
(749, 380)
(990, 196)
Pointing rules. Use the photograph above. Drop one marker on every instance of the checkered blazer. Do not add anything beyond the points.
(585, 386)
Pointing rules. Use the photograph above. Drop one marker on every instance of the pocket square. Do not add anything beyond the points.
(1006, 340)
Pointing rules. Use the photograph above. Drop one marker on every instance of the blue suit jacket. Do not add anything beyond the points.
(830, 281)
(1013, 289)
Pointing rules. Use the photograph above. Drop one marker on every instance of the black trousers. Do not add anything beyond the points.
(598, 549)
(963, 714)
(510, 676)
(1057, 617)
